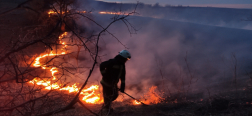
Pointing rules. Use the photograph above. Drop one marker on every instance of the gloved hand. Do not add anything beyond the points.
(122, 87)
(122, 90)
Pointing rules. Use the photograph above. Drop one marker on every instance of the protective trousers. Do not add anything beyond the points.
(110, 93)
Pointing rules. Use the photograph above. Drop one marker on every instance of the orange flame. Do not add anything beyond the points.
(135, 102)
(89, 95)
(53, 12)
(110, 13)
(102, 12)
(151, 97)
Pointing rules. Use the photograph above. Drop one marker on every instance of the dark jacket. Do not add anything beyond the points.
(113, 70)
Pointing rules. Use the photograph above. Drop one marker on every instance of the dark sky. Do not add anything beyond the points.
(218, 3)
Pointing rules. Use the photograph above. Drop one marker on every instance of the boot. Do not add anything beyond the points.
(109, 110)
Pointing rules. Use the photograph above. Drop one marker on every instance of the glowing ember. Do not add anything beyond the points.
(102, 12)
(110, 13)
(135, 102)
(53, 13)
(82, 11)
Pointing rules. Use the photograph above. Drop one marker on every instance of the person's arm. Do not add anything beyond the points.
(122, 82)
(122, 86)
(103, 66)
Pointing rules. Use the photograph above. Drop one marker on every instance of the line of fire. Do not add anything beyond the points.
(91, 57)
(53, 60)
(89, 95)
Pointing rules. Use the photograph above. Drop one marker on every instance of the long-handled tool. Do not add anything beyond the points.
(135, 99)
(160, 111)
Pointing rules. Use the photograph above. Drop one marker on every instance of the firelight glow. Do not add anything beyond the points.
(115, 13)
(89, 95)
(183, 2)
(151, 97)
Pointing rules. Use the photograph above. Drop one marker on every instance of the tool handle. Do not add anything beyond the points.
(135, 99)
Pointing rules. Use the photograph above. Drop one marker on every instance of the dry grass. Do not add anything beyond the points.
(224, 104)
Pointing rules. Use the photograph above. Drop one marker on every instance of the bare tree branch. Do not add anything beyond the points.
(76, 98)
(20, 105)
(21, 5)
(28, 44)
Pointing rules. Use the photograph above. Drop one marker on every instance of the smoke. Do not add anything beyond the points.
(178, 56)
(224, 17)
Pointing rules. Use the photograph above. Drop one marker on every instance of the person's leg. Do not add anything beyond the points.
(107, 96)
(115, 93)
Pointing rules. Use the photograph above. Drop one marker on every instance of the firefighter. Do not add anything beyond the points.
(112, 71)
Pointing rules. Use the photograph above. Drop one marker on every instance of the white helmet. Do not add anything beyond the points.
(125, 54)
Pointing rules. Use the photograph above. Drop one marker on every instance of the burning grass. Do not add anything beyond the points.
(151, 97)
(60, 94)
(88, 95)
(158, 104)
(222, 104)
